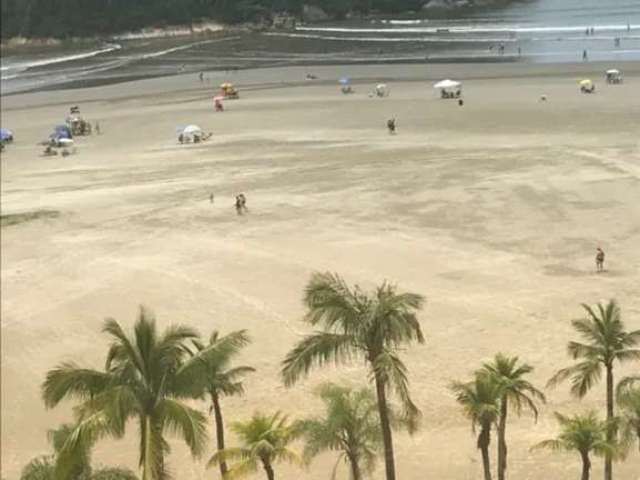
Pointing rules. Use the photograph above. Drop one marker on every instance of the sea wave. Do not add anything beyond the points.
(22, 66)
(471, 29)
(393, 39)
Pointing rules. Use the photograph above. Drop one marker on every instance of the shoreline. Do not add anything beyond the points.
(275, 77)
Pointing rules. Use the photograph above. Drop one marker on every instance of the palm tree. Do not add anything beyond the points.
(350, 426)
(218, 378)
(44, 467)
(139, 382)
(480, 400)
(584, 434)
(606, 342)
(628, 399)
(40, 468)
(515, 391)
(371, 326)
(265, 441)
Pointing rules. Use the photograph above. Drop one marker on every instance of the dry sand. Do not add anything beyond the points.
(493, 211)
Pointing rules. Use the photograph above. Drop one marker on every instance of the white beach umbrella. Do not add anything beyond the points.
(613, 71)
(447, 84)
(192, 130)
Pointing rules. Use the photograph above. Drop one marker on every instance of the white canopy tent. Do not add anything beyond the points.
(445, 84)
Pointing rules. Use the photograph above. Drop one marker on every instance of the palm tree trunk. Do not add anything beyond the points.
(147, 454)
(355, 467)
(387, 439)
(502, 441)
(586, 465)
(608, 463)
(268, 470)
(484, 439)
(217, 413)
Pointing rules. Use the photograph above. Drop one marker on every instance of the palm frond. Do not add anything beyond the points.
(316, 349)
(186, 422)
(68, 380)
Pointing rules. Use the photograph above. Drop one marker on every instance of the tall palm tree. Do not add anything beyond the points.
(480, 400)
(628, 399)
(356, 324)
(138, 383)
(265, 441)
(217, 378)
(584, 434)
(607, 342)
(516, 392)
(350, 426)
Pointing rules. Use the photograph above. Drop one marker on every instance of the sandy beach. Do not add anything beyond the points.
(492, 210)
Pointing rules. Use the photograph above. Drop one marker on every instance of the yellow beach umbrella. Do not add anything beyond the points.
(586, 83)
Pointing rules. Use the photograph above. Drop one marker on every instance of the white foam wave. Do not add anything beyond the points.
(471, 29)
(393, 39)
(67, 58)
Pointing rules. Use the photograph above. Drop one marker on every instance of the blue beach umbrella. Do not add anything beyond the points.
(6, 135)
(61, 131)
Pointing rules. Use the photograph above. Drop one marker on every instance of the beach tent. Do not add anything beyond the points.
(444, 84)
(6, 135)
(190, 133)
(382, 90)
(614, 76)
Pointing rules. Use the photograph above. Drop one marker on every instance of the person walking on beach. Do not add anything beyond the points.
(211, 198)
(585, 57)
(391, 126)
(241, 204)
(599, 260)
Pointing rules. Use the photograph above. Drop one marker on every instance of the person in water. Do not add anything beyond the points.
(599, 260)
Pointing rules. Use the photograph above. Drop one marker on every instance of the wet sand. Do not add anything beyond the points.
(492, 210)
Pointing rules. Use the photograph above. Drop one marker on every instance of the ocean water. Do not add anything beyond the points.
(529, 31)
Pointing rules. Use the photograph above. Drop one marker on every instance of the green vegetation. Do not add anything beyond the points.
(149, 375)
(44, 467)
(480, 400)
(607, 343)
(216, 378)
(90, 18)
(372, 327)
(265, 442)
(516, 392)
(350, 426)
(142, 379)
(16, 218)
(583, 434)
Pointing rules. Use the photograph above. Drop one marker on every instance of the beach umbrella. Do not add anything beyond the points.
(218, 98)
(585, 83)
(61, 131)
(447, 84)
(6, 135)
(344, 81)
(613, 71)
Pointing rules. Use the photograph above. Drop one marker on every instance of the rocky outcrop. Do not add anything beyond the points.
(313, 13)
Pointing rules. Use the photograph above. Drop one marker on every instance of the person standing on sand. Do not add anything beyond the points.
(391, 126)
(211, 198)
(599, 260)
(585, 57)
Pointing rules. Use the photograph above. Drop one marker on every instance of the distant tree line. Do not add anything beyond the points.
(78, 18)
